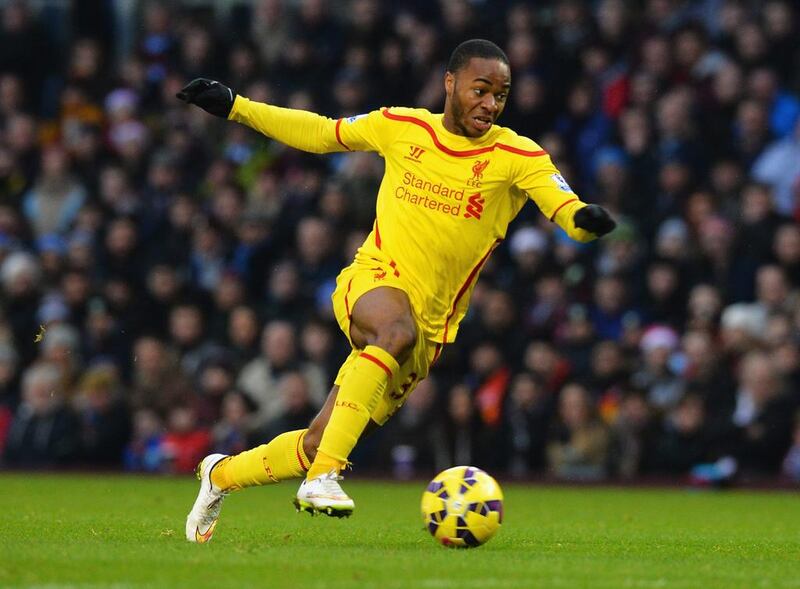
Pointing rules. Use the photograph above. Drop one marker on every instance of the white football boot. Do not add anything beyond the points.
(324, 495)
(202, 519)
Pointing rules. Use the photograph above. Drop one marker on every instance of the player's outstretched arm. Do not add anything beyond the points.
(296, 128)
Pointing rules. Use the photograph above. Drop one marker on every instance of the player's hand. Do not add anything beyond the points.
(594, 219)
(209, 95)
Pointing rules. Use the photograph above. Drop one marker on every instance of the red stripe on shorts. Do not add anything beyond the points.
(377, 234)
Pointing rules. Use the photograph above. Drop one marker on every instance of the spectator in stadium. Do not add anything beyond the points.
(762, 419)
(20, 275)
(578, 445)
(683, 442)
(185, 442)
(158, 382)
(611, 311)
(528, 415)
(786, 249)
(777, 167)
(105, 424)
(232, 432)
(634, 432)
(144, 451)
(188, 337)
(656, 376)
(461, 427)
(609, 372)
(260, 378)
(543, 360)
(44, 431)
(242, 335)
(297, 408)
(215, 378)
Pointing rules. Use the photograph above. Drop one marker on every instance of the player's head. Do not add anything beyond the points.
(476, 84)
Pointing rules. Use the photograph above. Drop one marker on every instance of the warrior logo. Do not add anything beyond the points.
(415, 153)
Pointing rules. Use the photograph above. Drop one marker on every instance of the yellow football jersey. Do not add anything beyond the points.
(445, 201)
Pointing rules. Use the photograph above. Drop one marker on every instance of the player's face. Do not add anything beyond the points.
(476, 95)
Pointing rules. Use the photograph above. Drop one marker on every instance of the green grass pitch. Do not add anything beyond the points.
(127, 532)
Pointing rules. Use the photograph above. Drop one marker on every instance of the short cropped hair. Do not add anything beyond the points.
(480, 48)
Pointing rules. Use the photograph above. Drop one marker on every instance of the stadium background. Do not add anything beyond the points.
(165, 276)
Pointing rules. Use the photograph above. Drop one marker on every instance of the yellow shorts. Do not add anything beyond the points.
(355, 280)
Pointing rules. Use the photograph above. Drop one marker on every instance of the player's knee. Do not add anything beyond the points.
(398, 339)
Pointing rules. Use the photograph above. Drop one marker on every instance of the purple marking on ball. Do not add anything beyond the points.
(432, 527)
(444, 495)
(496, 505)
(470, 539)
(468, 472)
(435, 486)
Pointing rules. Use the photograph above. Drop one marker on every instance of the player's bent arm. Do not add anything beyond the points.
(551, 193)
(535, 175)
(296, 128)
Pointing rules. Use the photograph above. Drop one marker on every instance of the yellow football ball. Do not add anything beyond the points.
(462, 507)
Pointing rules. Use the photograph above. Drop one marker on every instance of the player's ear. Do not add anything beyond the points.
(449, 83)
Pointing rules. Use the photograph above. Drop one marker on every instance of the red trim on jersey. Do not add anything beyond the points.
(300, 454)
(436, 353)
(393, 264)
(465, 286)
(346, 304)
(372, 358)
(453, 152)
(377, 234)
(566, 202)
(519, 151)
(339, 137)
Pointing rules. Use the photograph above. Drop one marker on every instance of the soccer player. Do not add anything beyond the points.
(453, 183)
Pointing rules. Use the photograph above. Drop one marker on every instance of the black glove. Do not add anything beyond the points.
(594, 219)
(209, 95)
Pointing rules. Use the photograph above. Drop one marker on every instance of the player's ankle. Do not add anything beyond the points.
(218, 475)
(322, 465)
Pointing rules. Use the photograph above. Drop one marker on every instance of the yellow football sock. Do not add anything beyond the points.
(359, 392)
(281, 459)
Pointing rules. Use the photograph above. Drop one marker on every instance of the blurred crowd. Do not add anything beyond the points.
(166, 276)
